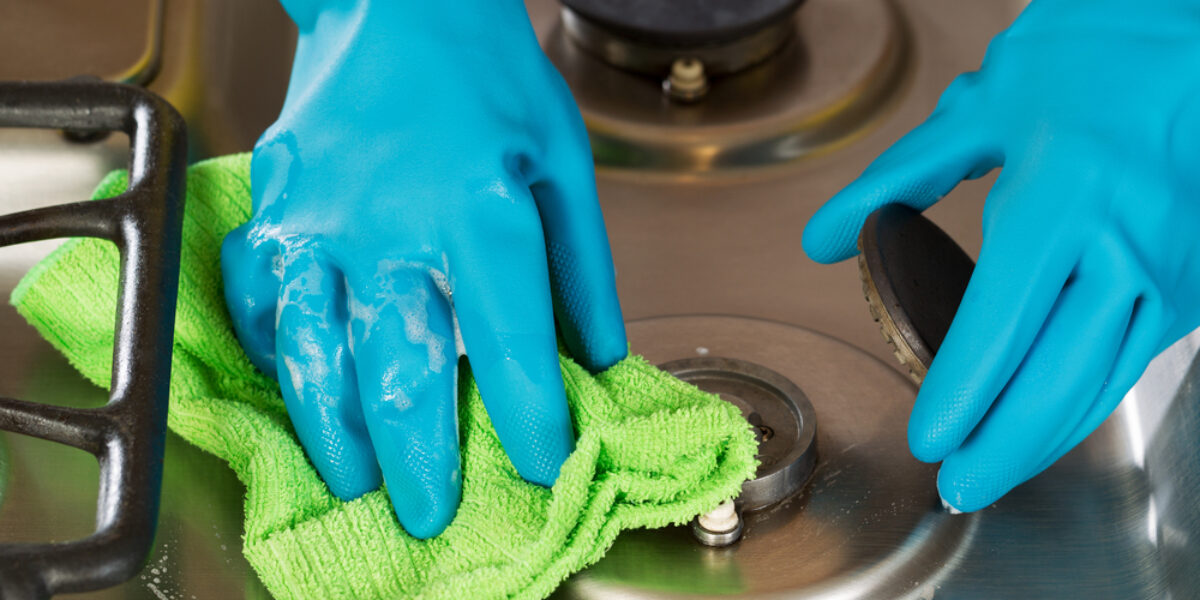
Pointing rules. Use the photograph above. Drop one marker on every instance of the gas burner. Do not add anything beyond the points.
(776, 86)
(725, 36)
(784, 422)
(866, 524)
(914, 276)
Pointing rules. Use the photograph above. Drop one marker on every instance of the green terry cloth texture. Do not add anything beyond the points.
(651, 450)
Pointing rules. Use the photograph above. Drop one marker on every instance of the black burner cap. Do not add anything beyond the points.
(914, 276)
(683, 22)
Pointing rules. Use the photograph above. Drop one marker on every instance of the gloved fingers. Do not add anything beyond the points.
(1022, 268)
(1046, 396)
(512, 348)
(581, 269)
(316, 375)
(402, 340)
(918, 170)
(251, 292)
(1142, 343)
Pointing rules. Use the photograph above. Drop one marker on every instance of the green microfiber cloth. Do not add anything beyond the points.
(652, 450)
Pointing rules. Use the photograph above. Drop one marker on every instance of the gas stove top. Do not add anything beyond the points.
(711, 157)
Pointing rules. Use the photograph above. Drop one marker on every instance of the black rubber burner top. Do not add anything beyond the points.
(684, 22)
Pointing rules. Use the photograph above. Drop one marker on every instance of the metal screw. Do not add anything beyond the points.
(687, 81)
(721, 526)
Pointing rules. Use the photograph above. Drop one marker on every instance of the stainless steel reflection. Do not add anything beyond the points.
(147, 67)
(224, 64)
(696, 228)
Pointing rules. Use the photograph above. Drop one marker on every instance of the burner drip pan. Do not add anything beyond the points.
(867, 524)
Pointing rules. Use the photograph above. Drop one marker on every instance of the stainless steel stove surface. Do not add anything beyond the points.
(705, 201)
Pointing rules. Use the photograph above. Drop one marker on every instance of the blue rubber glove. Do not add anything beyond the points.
(1090, 262)
(429, 171)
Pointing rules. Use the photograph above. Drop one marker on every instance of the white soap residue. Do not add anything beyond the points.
(413, 306)
(296, 374)
(498, 188)
(393, 389)
(950, 508)
(311, 365)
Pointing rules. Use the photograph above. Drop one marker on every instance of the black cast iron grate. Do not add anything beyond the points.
(127, 434)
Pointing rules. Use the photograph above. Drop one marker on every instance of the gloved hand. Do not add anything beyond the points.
(429, 170)
(1090, 262)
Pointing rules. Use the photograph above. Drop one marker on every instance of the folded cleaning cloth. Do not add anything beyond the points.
(652, 450)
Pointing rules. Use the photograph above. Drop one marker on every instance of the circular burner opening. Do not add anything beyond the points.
(815, 78)
(784, 422)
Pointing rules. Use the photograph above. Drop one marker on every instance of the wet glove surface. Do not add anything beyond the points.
(1090, 262)
(651, 450)
(429, 173)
